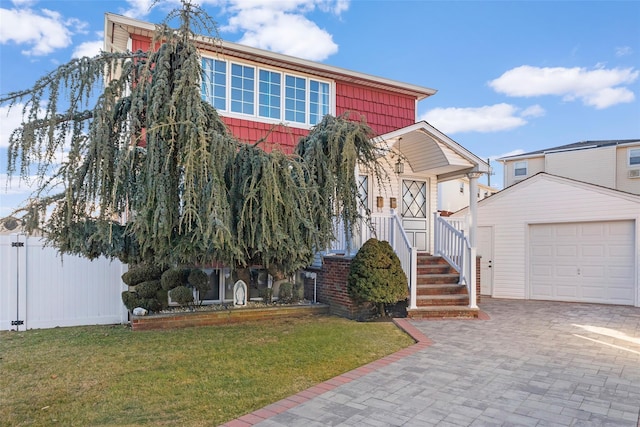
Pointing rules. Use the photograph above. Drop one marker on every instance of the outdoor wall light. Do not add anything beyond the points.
(393, 203)
(379, 202)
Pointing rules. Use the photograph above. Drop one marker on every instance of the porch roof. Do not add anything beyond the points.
(426, 149)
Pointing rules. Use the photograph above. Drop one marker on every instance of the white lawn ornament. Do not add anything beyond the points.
(139, 311)
(240, 293)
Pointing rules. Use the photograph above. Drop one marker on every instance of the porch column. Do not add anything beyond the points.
(473, 227)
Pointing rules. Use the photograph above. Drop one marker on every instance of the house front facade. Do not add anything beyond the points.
(279, 98)
(611, 163)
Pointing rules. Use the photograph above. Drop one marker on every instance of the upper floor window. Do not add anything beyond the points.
(269, 94)
(295, 96)
(265, 93)
(634, 156)
(242, 89)
(520, 169)
(214, 85)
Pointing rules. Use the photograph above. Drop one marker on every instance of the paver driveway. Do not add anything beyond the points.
(533, 364)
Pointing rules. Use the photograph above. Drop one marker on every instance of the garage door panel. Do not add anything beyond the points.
(566, 251)
(594, 250)
(588, 262)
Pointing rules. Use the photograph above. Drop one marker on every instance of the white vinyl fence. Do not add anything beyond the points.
(39, 289)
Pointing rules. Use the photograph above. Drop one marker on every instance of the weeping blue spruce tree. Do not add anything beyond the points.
(151, 174)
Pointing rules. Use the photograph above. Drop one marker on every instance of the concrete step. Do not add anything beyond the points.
(443, 312)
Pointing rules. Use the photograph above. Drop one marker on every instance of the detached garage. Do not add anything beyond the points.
(553, 238)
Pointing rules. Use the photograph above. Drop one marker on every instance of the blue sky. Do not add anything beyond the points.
(512, 76)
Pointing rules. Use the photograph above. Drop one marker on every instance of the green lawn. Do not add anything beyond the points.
(109, 375)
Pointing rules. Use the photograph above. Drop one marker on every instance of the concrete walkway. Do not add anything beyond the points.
(531, 363)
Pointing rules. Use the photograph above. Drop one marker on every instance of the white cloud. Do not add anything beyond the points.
(282, 26)
(90, 49)
(44, 31)
(599, 87)
(489, 118)
(623, 51)
(533, 111)
(10, 119)
(137, 8)
(507, 154)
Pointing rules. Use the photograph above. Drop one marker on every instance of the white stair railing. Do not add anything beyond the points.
(451, 244)
(408, 255)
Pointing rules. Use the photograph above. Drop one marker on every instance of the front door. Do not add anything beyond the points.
(414, 212)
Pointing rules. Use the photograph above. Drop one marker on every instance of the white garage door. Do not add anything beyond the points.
(586, 262)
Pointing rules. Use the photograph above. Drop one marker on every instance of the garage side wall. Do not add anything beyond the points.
(545, 199)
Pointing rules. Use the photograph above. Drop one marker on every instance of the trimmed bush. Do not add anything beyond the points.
(199, 280)
(182, 295)
(285, 293)
(142, 273)
(148, 289)
(174, 277)
(131, 300)
(376, 275)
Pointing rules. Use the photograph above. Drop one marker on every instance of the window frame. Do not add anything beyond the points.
(516, 168)
(316, 104)
(631, 156)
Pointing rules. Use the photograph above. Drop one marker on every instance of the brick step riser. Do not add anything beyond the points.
(450, 314)
(424, 270)
(436, 281)
(440, 302)
(440, 262)
(450, 290)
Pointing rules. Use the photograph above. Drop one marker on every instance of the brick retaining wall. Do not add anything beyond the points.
(219, 317)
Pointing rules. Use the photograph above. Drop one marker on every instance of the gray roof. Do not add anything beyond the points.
(575, 146)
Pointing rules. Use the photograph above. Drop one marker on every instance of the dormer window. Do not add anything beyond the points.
(520, 169)
(634, 156)
(267, 95)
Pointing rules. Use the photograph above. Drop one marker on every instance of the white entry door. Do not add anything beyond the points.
(485, 250)
(414, 212)
(584, 262)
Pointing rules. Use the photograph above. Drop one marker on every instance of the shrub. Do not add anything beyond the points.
(285, 293)
(182, 295)
(148, 289)
(142, 273)
(131, 300)
(376, 275)
(174, 277)
(199, 280)
(267, 295)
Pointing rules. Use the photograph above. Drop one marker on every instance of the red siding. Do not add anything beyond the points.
(140, 43)
(281, 137)
(384, 111)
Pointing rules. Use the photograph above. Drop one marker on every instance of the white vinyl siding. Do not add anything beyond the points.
(595, 166)
(545, 199)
